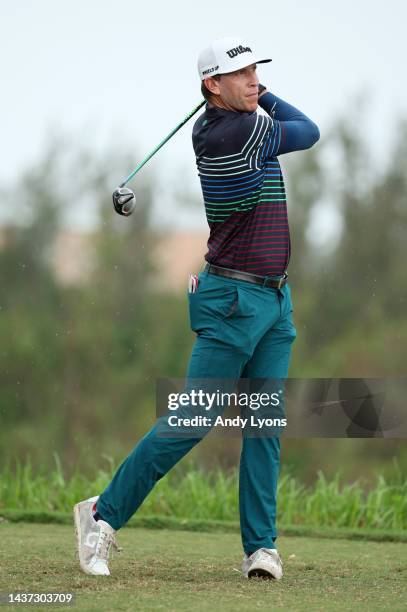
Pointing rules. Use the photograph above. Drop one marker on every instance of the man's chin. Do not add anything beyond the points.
(248, 107)
(253, 106)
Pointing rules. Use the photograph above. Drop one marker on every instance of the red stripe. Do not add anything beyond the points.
(276, 256)
(254, 248)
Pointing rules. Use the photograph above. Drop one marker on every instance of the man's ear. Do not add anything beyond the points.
(212, 85)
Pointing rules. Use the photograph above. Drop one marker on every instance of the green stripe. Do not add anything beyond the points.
(223, 208)
(221, 212)
(249, 199)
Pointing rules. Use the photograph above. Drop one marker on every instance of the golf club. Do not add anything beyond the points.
(124, 199)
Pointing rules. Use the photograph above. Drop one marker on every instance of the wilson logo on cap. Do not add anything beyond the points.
(226, 55)
(237, 50)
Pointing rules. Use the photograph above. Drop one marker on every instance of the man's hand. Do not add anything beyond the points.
(262, 90)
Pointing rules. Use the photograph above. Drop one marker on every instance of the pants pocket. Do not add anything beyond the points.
(211, 303)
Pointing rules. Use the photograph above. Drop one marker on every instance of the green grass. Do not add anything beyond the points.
(189, 493)
(177, 570)
(211, 526)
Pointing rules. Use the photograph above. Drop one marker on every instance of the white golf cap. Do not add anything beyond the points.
(227, 55)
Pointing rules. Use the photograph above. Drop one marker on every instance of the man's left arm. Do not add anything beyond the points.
(298, 132)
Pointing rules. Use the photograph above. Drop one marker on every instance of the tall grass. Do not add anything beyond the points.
(190, 493)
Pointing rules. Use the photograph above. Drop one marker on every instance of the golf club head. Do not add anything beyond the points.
(124, 201)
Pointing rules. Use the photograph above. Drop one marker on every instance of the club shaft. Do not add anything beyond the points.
(162, 143)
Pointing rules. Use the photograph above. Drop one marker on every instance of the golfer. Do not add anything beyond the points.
(240, 308)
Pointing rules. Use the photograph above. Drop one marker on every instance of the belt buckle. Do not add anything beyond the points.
(280, 281)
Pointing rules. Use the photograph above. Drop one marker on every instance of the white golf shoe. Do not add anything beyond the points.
(263, 563)
(94, 539)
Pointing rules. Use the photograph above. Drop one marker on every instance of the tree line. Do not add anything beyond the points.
(78, 363)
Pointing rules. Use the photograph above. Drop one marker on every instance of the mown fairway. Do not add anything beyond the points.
(176, 570)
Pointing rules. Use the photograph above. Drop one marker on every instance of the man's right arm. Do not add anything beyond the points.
(298, 132)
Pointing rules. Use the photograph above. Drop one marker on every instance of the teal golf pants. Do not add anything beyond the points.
(243, 330)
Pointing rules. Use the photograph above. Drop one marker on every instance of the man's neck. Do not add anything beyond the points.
(219, 103)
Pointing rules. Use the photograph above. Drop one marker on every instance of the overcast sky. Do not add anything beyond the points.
(124, 72)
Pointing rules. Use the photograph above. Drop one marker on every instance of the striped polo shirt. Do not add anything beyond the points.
(243, 190)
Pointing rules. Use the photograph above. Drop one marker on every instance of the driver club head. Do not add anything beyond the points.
(124, 201)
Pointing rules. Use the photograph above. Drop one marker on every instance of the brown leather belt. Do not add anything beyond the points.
(265, 281)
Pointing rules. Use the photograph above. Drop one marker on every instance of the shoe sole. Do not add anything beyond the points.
(261, 573)
(77, 522)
